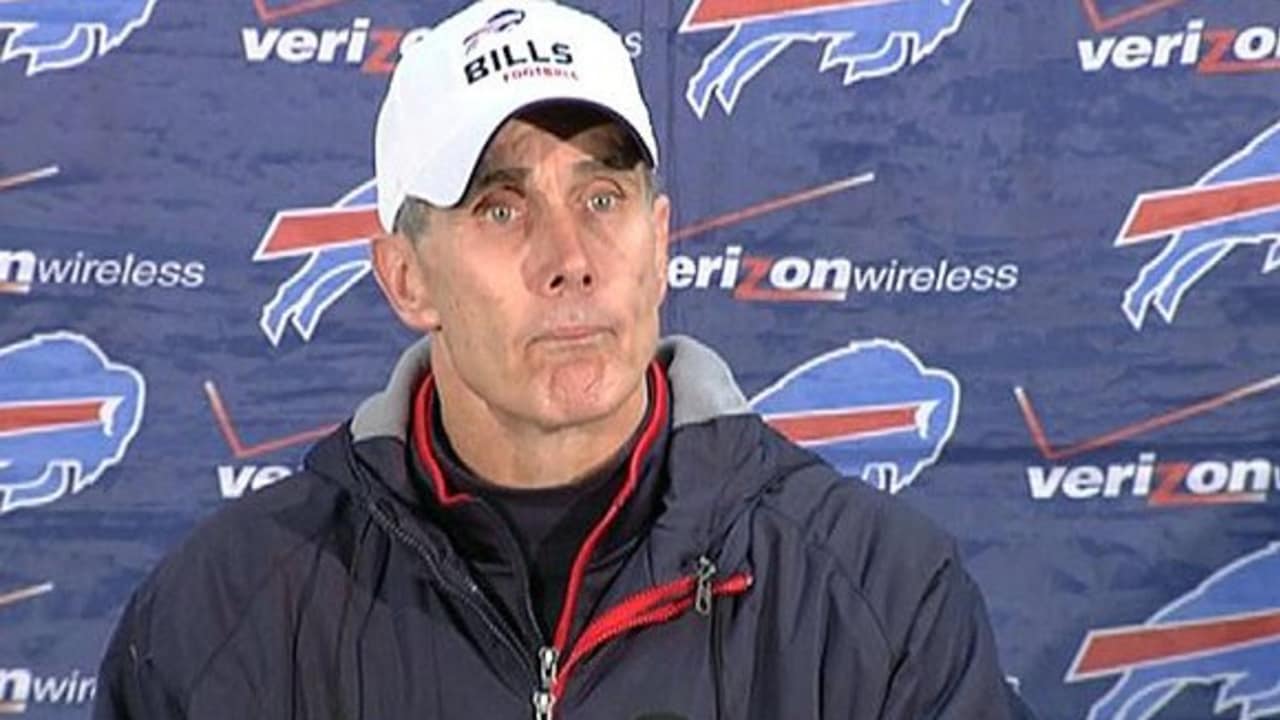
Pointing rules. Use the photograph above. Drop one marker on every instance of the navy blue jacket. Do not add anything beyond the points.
(765, 587)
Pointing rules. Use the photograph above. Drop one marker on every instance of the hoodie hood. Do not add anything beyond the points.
(720, 456)
(702, 388)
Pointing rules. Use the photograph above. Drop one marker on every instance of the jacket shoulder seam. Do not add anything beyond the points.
(821, 545)
(263, 586)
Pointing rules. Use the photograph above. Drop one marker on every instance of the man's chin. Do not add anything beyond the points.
(582, 391)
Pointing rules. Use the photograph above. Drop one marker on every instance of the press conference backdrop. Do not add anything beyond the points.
(1007, 259)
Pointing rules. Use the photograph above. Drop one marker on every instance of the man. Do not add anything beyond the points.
(548, 512)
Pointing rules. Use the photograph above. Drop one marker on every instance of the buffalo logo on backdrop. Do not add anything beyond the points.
(335, 242)
(867, 38)
(1236, 204)
(61, 34)
(1226, 632)
(1194, 45)
(67, 413)
(871, 409)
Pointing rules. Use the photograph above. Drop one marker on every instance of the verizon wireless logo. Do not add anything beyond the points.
(358, 44)
(1200, 45)
(1160, 482)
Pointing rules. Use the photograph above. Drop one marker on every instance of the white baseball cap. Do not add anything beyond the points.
(458, 84)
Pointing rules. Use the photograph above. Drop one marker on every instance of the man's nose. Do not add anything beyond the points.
(565, 263)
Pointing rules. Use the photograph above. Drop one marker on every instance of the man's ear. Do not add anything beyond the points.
(661, 219)
(403, 281)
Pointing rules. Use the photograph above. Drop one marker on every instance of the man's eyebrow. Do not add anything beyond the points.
(488, 177)
(613, 164)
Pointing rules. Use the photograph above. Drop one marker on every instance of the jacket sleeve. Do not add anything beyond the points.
(129, 684)
(948, 668)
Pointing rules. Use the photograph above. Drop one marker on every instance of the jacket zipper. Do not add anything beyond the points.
(545, 694)
(543, 699)
(656, 605)
(467, 595)
(424, 397)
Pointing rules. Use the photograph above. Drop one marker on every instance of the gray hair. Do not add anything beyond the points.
(411, 218)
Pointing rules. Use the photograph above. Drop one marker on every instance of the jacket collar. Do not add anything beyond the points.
(716, 459)
(481, 533)
(702, 388)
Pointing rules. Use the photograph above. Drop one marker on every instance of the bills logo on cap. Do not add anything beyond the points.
(539, 61)
(515, 61)
(501, 21)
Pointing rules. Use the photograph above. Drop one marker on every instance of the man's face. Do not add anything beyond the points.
(545, 280)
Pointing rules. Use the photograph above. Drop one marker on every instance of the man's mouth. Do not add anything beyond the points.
(573, 333)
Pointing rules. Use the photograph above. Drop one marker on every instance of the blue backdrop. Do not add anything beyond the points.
(1005, 258)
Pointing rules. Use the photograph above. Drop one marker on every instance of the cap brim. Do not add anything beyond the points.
(445, 185)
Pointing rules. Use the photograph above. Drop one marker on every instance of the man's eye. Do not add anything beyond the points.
(500, 214)
(601, 202)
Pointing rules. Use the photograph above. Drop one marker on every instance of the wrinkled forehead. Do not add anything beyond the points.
(524, 138)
